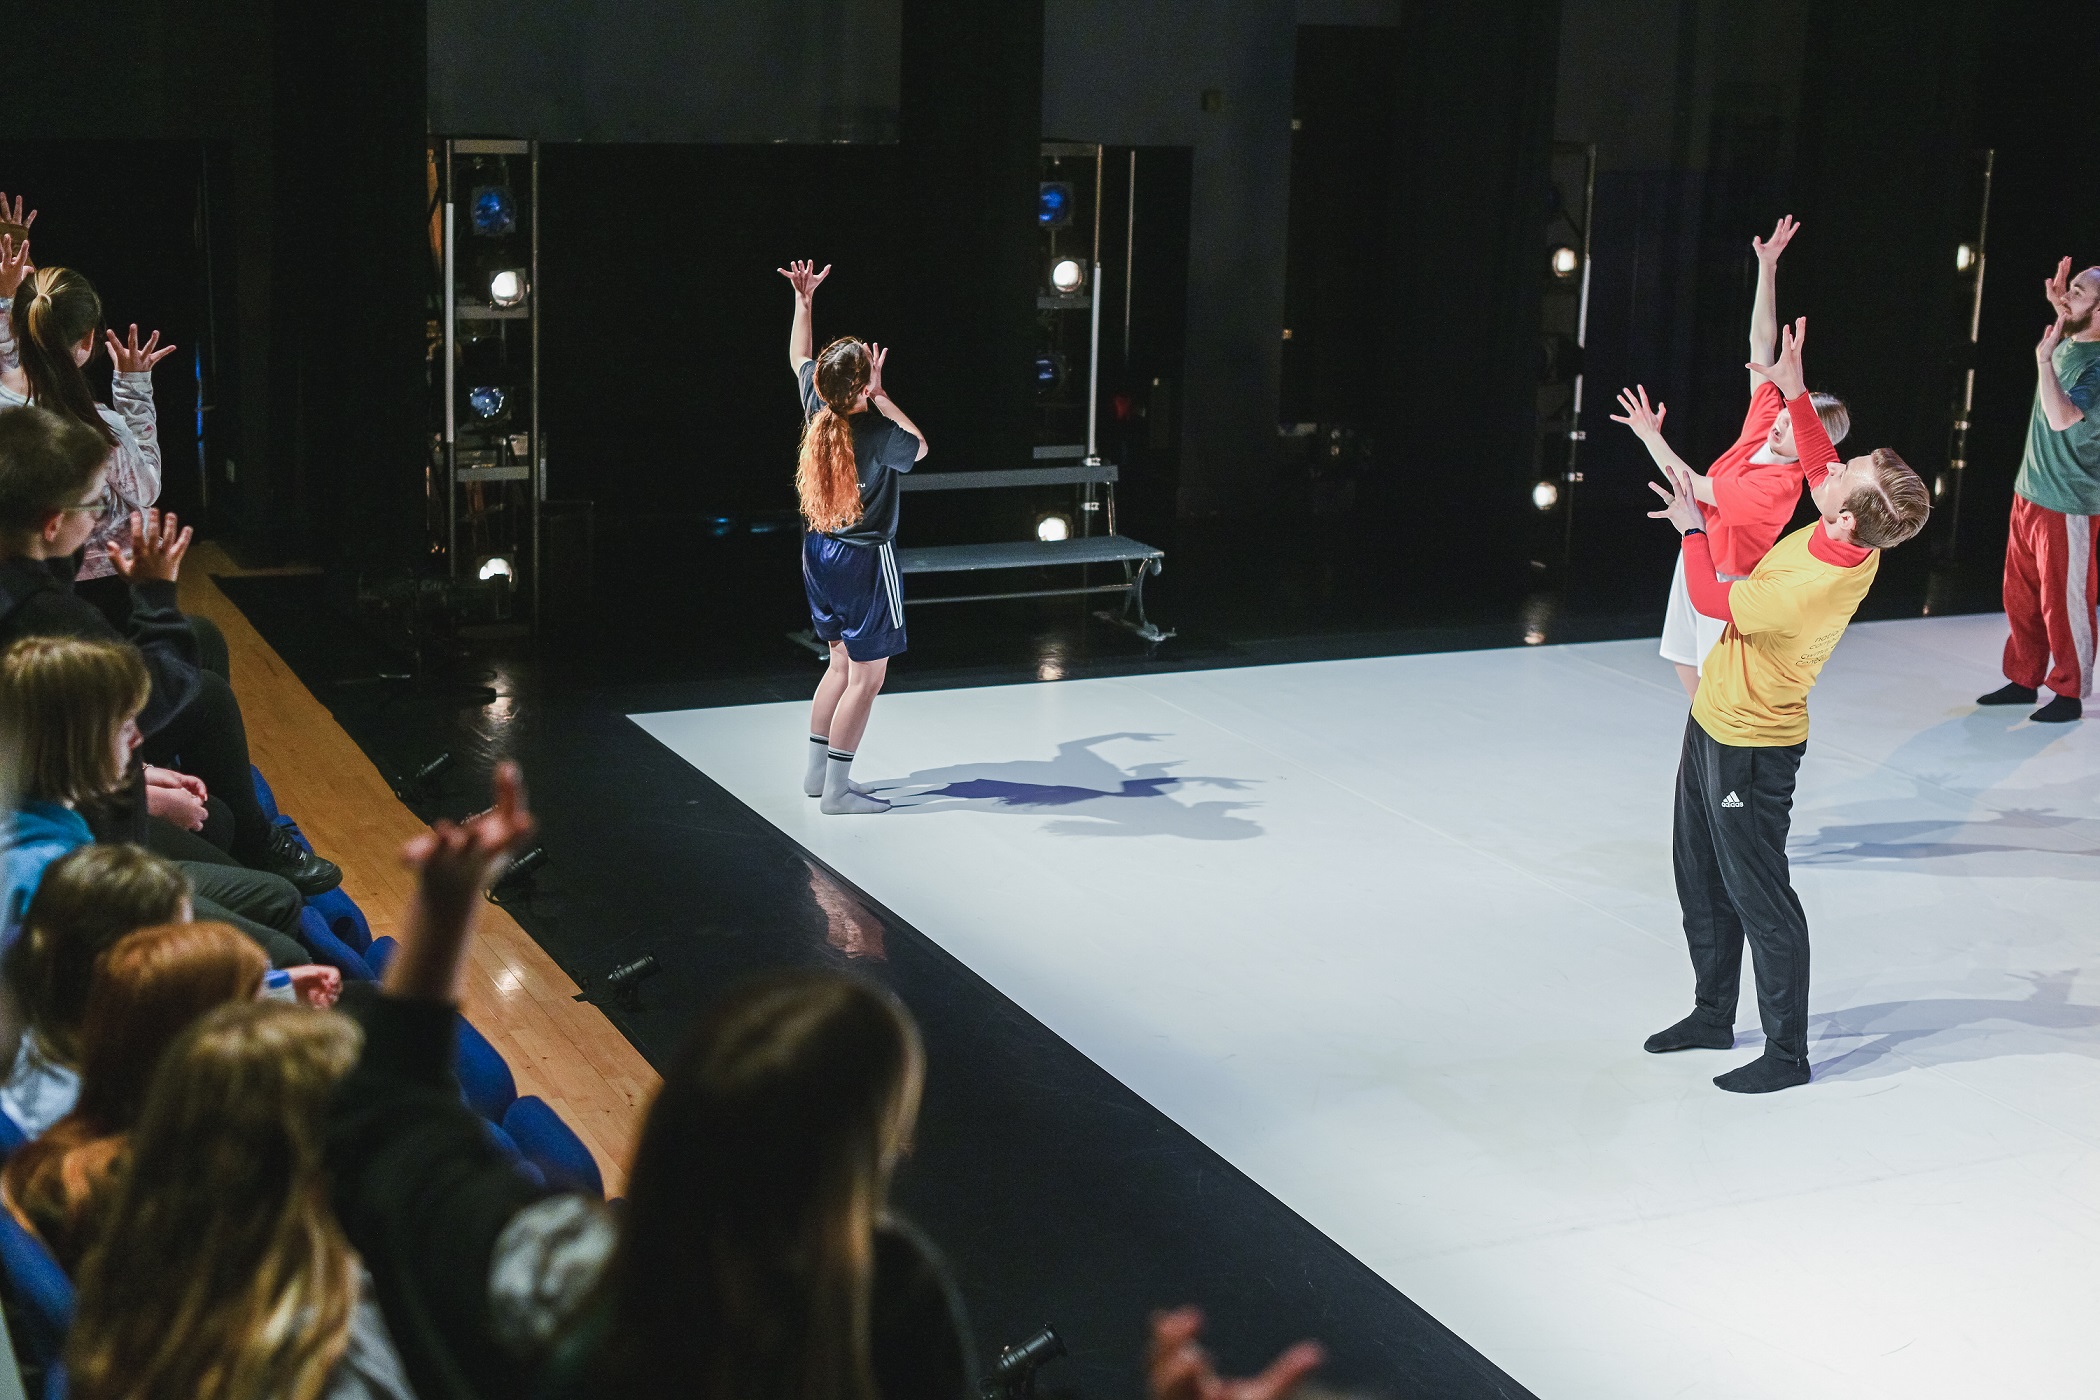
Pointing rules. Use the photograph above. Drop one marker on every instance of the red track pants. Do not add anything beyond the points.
(2050, 586)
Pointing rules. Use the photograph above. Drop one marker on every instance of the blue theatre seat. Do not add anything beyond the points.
(39, 1296)
(320, 940)
(546, 1140)
(344, 919)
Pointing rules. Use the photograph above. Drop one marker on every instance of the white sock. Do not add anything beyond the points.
(840, 798)
(813, 774)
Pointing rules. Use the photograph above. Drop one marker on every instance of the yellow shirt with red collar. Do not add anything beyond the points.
(1784, 621)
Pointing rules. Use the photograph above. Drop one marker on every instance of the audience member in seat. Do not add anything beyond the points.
(148, 989)
(51, 495)
(756, 1255)
(221, 1270)
(88, 899)
(69, 713)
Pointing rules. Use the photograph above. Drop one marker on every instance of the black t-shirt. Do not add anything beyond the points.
(880, 450)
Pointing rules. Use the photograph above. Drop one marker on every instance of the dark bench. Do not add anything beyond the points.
(1136, 559)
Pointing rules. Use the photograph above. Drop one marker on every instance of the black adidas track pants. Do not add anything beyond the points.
(1729, 846)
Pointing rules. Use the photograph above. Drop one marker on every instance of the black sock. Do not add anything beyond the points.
(1763, 1075)
(1697, 1031)
(2011, 693)
(2062, 710)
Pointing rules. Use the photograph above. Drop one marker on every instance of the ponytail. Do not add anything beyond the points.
(54, 307)
(827, 479)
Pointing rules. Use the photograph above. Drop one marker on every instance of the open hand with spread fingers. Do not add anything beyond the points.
(1769, 249)
(1645, 419)
(1785, 372)
(1177, 1368)
(156, 551)
(878, 356)
(804, 277)
(2057, 290)
(1680, 504)
(2052, 336)
(130, 357)
(14, 263)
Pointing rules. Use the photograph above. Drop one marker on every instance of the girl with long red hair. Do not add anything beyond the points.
(854, 442)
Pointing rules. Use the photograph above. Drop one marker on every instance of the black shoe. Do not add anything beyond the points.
(1694, 1032)
(1763, 1075)
(2062, 710)
(309, 874)
(2008, 694)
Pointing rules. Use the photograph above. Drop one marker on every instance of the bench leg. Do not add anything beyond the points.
(1133, 615)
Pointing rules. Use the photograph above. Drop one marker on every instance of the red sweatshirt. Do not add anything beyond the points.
(1710, 594)
(1752, 500)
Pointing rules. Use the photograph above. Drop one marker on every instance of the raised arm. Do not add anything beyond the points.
(1646, 422)
(1812, 446)
(2057, 404)
(1764, 306)
(454, 865)
(883, 404)
(1708, 589)
(802, 345)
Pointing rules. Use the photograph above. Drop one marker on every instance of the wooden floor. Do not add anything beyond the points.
(563, 1050)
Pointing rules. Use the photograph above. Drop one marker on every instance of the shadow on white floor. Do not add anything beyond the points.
(1388, 934)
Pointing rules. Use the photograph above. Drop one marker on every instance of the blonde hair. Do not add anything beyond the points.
(223, 1271)
(1892, 507)
(62, 702)
(54, 308)
(827, 480)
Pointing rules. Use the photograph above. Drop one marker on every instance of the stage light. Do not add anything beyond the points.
(1053, 204)
(1565, 261)
(493, 210)
(1052, 528)
(1049, 372)
(507, 287)
(1067, 276)
(1964, 257)
(1545, 495)
(495, 566)
(487, 401)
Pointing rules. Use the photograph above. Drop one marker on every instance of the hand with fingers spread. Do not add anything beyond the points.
(2057, 290)
(13, 217)
(1769, 249)
(454, 864)
(1646, 421)
(1680, 504)
(1785, 372)
(132, 358)
(1177, 1368)
(156, 551)
(804, 277)
(877, 358)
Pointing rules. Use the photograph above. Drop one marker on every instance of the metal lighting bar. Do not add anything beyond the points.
(1572, 476)
(1093, 347)
(451, 353)
(536, 490)
(1958, 455)
(1129, 257)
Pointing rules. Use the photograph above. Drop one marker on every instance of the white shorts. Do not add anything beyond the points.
(1688, 634)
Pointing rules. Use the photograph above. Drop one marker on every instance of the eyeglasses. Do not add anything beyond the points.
(96, 508)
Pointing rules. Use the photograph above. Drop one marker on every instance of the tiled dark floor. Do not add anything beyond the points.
(1060, 1196)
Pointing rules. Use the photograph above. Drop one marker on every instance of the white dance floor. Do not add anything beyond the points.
(1388, 934)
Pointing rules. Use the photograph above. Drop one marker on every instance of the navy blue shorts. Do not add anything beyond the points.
(854, 595)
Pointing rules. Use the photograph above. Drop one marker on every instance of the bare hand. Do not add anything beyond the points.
(1769, 249)
(457, 862)
(1680, 506)
(877, 358)
(804, 277)
(1646, 422)
(14, 262)
(316, 985)
(131, 357)
(156, 549)
(1785, 371)
(172, 778)
(174, 804)
(2045, 352)
(13, 216)
(2057, 289)
(1176, 1368)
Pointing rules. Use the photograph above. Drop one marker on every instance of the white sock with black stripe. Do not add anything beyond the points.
(813, 773)
(841, 796)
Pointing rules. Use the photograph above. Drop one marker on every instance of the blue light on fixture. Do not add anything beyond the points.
(1045, 371)
(487, 401)
(493, 210)
(1053, 204)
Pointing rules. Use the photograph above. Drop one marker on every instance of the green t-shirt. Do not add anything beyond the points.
(2060, 471)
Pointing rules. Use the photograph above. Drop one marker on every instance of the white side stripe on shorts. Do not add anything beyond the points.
(894, 586)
